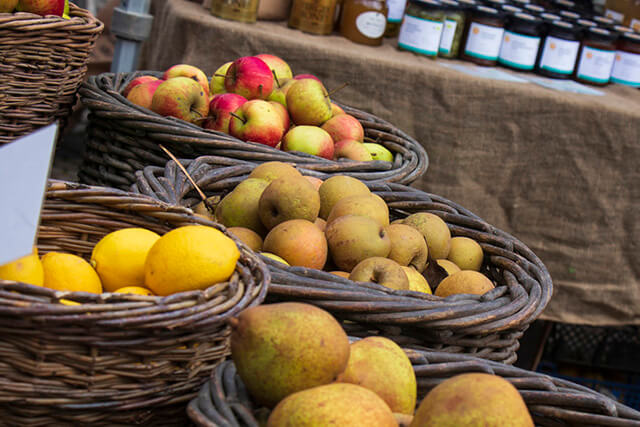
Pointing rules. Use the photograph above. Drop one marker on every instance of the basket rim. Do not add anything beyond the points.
(95, 304)
(25, 21)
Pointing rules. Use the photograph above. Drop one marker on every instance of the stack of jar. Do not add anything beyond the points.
(524, 37)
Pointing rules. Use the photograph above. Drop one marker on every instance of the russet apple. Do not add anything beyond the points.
(308, 103)
(279, 68)
(142, 94)
(250, 77)
(42, 7)
(378, 152)
(368, 205)
(310, 140)
(352, 150)
(344, 126)
(299, 242)
(270, 171)
(287, 198)
(417, 282)
(216, 84)
(408, 246)
(8, 6)
(248, 237)
(135, 82)
(353, 238)
(435, 231)
(336, 188)
(220, 109)
(186, 70)
(257, 121)
(383, 271)
(181, 97)
(240, 207)
(284, 114)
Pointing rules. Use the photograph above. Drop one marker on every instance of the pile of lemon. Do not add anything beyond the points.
(135, 261)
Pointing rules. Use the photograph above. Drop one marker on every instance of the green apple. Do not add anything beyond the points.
(378, 152)
(216, 85)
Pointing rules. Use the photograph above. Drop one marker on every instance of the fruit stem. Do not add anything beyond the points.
(339, 88)
(238, 117)
(275, 77)
(220, 75)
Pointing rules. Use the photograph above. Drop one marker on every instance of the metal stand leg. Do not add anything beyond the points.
(131, 25)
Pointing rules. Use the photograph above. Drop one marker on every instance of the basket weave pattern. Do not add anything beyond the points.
(488, 326)
(43, 60)
(115, 359)
(124, 138)
(224, 401)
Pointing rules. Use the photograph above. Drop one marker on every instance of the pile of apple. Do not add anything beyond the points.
(38, 7)
(340, 226)
(257, 98)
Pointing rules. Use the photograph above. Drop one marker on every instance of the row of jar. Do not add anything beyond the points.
(521, 41)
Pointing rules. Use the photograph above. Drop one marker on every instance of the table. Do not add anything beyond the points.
(555, 169)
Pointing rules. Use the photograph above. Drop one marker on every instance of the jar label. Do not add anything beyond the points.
(396, 10)
(448, 34)
(626, 69)
(595, 64)
(420, 35)
(483, 41)
(559, 55)
(518, 50)
(371, 24)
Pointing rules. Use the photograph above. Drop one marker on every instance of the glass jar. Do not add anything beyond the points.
(597, 53)
(313, 16)
(422, 27)
(235, 10)
(626, 67)
(569, 16)
(558, 55)
(548, 18)
(364, 21)
(394, 17)
(521, 42)
(533, 9)
(454, 19)
(483, 36)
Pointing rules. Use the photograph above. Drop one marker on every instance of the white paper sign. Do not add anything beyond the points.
(24, 169)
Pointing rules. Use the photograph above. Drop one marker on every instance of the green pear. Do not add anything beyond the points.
(287, 198)
(280, 349)
(470, 400)
(381, 270)
(378, 152)
(353, 238)
(435, 231)
(338, 187)
(240, 207)
(338, 404)
(379, 364)
(271, 171)
(364, 204)
(408, 246)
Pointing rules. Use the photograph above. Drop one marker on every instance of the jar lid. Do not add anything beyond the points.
(520, 2)
(510, 9)
(563, 28)
(450, 5)
(603, 20)
(496, 4)
(525, 21)
(534, 8)
(622, 29)
(585, 23)
(549, 17)
(600, 34)
(487, 12)
(564, 4)
(467, 4)
(569, 15)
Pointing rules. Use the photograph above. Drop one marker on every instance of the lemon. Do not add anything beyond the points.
(67, 272)
(27, 269)
(188, 258)
(120, 255)
(136, 290)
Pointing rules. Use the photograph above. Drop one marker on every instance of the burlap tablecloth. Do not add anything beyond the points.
(556, 169)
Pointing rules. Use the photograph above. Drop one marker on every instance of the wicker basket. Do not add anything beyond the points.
(488, 326)
(124, 138)
(115, 359)
(42, 62)
(224, 401)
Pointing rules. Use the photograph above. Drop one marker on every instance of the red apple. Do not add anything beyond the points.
(185, 70)
(220, 109)
(284, 114)
(250, 77)
(279, 68)
(216, 85)
(135, 82)
(352, 149)
(181, 97)
(306, 76)
(344, 126)
(336, 110)
(42, 7)
(8, 6)
(142, 94)
(257, 121)
(310, 140)
(308, 103)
